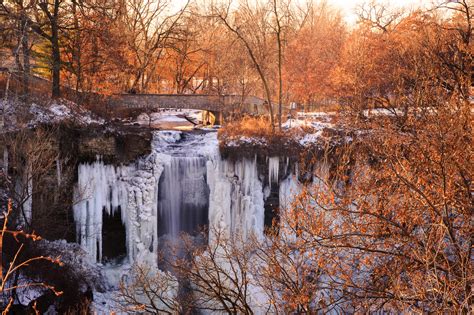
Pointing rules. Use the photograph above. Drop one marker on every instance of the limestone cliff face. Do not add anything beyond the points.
(119, 147)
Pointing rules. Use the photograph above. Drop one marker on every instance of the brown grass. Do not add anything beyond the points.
(254, 135)
(252, 127)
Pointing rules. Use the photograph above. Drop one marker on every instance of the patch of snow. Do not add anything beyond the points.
(310, 138)
(62, 110)
(143, 119)
(170, 118)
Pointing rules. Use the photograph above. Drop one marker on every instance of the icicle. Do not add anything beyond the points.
(28, 203)
(236, 201)
(96, 183)
(134, 189)
(273, 168)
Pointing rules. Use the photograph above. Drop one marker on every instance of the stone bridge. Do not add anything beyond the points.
(221, 104)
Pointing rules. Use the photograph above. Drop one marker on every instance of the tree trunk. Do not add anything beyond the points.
(280, 61)
(76, 50)
(56, 66)
(26, 57)
(56, 53)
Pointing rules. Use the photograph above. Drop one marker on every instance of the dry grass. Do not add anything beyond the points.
(251, 127)
(254, 135)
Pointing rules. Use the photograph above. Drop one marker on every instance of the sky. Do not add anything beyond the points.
(348, 6)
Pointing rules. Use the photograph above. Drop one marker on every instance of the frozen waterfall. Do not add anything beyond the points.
(104, 188)
(183, 184)
(236, 205)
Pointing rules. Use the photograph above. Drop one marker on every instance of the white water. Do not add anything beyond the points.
(183, 195)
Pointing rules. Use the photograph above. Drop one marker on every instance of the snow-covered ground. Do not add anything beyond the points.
(18, 114)
(305, 130)
(63, 111)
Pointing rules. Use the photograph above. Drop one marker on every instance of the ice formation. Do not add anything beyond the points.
(236, 204)
(134, 189)
(273, 168)
(183, 183)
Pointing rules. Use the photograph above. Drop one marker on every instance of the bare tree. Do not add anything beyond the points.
(249, 27)
(150, 27)
(148, 289)
(378, 15)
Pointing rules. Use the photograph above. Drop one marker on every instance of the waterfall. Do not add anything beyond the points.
(183, 196)
(182, 184)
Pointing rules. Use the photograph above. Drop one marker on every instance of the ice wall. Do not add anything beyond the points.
(236, 205)
(134, 188)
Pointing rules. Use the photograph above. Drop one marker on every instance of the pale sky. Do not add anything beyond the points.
(348, 6)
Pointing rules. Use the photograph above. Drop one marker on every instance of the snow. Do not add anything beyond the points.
(295, 123)
(310, 138)
(305, 130)
(246, 140)
(62, 110)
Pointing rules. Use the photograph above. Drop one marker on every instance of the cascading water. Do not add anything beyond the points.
(183, 196)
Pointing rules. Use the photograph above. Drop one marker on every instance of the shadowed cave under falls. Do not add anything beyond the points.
(113, 237)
